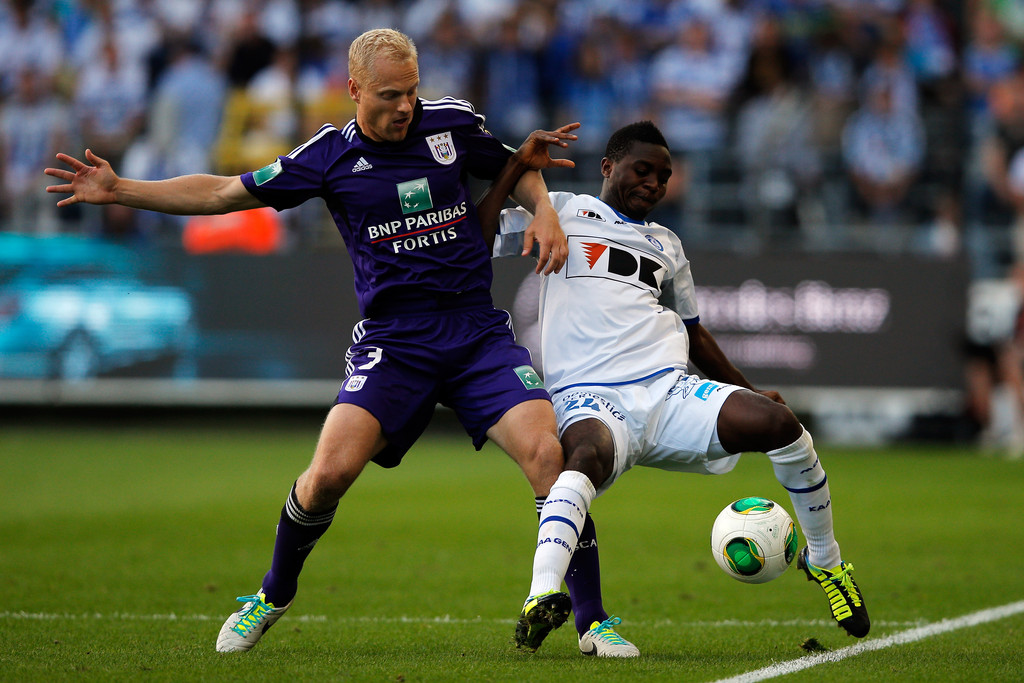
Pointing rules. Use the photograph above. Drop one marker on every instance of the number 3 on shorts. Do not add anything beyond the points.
(376, 353)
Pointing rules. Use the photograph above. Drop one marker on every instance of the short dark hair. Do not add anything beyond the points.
(640, 131)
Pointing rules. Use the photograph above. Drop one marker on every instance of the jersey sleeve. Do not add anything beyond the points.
(295, 177)
(679, 293)
(487, 154)
(511, 230)
(513, 223)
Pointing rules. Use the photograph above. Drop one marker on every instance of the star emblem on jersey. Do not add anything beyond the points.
(414, 195)
(268, 172)
(442, 147)
(362, 165)
(529, 377)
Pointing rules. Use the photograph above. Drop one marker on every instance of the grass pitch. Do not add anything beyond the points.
(122, 548)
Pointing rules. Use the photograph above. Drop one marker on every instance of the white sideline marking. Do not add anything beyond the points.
(445, 619)
(913, 635)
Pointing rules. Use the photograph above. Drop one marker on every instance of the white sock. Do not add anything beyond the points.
(797, 468)
(561, 520)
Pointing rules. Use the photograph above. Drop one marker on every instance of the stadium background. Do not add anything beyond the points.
(847, 186)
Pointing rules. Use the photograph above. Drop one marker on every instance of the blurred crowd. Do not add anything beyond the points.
(889, 125)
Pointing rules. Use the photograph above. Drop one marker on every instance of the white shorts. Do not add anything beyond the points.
(668, 422)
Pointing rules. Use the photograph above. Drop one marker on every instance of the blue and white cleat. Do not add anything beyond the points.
(602, 641)
(244, 628)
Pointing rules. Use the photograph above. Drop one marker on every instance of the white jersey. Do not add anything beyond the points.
(614, 314)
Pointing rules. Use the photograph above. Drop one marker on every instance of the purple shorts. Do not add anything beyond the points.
(400, 368)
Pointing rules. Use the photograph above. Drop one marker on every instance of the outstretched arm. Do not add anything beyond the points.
(709, 357)
(521, 178)
(189, 195)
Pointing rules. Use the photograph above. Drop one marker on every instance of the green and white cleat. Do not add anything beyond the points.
(844, 598)
(244, 628)
(602, 641)
(541, 614)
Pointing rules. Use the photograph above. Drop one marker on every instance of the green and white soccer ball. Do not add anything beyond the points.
(754, 540)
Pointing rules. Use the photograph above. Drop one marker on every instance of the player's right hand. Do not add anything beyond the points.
(535, 152)
(94, 184)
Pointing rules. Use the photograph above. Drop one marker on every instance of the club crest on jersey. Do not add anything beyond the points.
(442, 147)
(655, 242)
(414, 195)
(592, 215)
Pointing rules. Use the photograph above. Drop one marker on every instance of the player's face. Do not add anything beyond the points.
(638, 181)
(385, 103)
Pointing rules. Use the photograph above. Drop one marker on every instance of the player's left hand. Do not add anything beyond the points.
(773, 395)
(535, 152)
(545, 239)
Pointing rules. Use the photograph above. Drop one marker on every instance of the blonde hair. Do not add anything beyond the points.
(377, 43)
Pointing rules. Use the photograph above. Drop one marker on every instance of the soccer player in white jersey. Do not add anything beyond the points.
(619, 327)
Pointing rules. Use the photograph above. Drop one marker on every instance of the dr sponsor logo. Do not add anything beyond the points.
(592, 215)
(610, 260)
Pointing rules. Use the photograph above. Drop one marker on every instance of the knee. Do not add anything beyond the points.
(782, 428)
(759, 425)
(587, 458)
(542, 463)
(590, 449)
(323, 484)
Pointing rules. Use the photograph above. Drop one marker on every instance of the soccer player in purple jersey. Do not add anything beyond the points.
(395, 181)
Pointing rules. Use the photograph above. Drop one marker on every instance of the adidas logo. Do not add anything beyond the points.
(362, 165)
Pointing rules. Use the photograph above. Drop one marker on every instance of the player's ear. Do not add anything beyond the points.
(606, 167)
(353, 90)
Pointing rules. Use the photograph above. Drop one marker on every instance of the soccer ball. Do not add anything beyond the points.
(754, 540)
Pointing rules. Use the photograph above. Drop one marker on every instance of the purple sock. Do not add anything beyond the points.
(584, 580)
(297, 533)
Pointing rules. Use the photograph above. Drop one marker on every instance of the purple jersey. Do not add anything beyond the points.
(404, 209)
